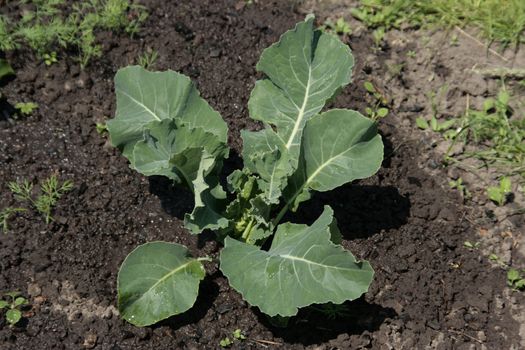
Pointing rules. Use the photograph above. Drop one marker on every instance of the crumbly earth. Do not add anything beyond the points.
(429, 290)
(457, 68)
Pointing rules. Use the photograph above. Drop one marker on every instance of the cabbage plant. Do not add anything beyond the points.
(163, 127)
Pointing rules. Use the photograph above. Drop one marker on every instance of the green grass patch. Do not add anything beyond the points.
(494, 135)
(498, 21)
(48, 25)
(497, 134)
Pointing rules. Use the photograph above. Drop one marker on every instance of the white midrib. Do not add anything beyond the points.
(139, 103)
(303, 260)
(317, 171)
(300, 116)
(168, 275)
(321, 167)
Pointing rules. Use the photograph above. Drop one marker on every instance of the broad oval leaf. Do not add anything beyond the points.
(339, 146)
(157, 280)
(302, 267)
(143, 97)
(304, 69)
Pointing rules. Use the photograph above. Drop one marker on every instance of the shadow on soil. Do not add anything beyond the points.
(175, 200)
(7, 111)
(361, 210)
(321, 323)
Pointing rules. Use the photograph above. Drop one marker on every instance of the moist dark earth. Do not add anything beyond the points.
(429, 291)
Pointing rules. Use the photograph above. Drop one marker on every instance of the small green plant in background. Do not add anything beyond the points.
(225, 342)
(498, 194)
(500, 21)
(26, 108)
(101, 128)
(6, 214)
(516, 279)
(471, 245)
(378, 35)
(395, 69)
(434, 124)
(492, 135)
(340, 26)
(45, 26)
(378, 109)
(148, 59)
(50, 58)
(498, 135)
(237, 335)
(454, 40)
(50, 192)
(497, 260)
(13, 305)
(7, 41)
(460, 186)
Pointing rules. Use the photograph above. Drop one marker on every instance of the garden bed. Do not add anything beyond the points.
(429, 290)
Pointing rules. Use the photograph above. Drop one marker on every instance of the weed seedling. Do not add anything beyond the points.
(471, 245)
(340, 26)
(516, 279)
(50, 58)
(434, 124)
(497, 260)
(395, 70)
(226, 342)
(378, 109)
(498, 194)
(378, 35)
(454, 41)
(458, 184)
(101, 128)
(499, 139)
(45, 26)
(411, 54)
(237, 335)
(51, 191)
(26, 108)
(502, 21)
(5, 215)
(13, 314)
(148, 59)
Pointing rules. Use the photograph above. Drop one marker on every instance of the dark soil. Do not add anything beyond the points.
(429, 290)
